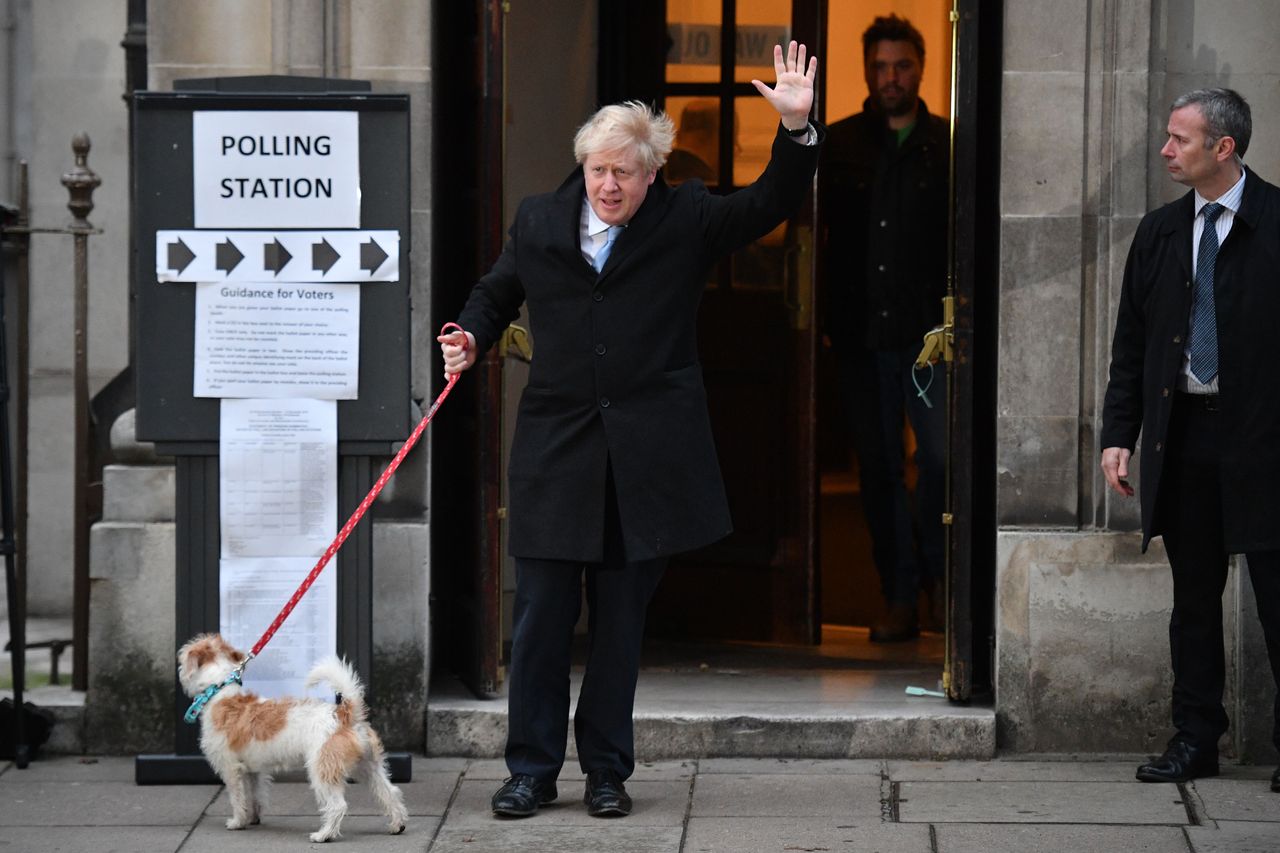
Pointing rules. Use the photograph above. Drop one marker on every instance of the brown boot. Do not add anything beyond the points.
(900, 624)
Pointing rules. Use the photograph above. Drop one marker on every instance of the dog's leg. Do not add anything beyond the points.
(327, 770)
(240, 795)
(333, 808)
(259, 783)
(373, 767)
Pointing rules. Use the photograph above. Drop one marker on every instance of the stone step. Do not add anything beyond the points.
(752, 715)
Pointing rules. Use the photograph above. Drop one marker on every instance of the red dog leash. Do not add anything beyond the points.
(355, 516)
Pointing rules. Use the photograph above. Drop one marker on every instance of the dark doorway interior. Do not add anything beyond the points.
(840, 591)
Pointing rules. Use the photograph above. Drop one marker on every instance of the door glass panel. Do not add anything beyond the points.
(697, 150)
(846, 79)
(755, 123)
(693, 27)
(759, 266)
(761, 24)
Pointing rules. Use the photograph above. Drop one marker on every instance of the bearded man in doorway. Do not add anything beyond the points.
(883, 194)
(613, 468)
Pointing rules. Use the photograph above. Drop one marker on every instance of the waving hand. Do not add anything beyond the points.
(792, 94)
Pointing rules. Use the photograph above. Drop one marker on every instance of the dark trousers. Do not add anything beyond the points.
(1189, 511)
(548, 601)
(877, 389)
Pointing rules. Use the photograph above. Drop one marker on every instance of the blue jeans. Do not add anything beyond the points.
(877, 389)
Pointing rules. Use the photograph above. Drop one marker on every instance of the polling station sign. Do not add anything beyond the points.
(262, 168)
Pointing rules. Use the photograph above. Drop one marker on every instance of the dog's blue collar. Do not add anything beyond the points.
(193, 713)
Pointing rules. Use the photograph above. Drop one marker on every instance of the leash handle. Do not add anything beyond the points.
(360, 510)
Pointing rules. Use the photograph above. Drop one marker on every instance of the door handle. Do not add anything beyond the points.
(938, 341)
(515, 343)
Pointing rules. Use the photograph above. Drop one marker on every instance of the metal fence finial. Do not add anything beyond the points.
(80, 182)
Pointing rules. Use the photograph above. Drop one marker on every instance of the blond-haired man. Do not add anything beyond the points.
(613, 468)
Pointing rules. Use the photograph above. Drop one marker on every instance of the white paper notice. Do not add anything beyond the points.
(277, 340)
(252, 592)
(268, 169)
(278, 477)
(278, 491)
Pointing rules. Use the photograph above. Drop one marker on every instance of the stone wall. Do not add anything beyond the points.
(67, 72)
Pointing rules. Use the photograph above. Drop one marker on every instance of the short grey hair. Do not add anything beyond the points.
(632, 127)
(1225, 113)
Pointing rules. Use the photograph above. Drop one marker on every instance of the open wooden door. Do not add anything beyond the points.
(466, 557)
(756, 329)
(970, 516)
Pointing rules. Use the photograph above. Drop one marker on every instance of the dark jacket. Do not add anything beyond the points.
(884, 213)
(1147, 351)
(615, 379)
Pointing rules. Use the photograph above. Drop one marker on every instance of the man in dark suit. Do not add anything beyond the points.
(883, 190)
(1191, 368)
(613, 468)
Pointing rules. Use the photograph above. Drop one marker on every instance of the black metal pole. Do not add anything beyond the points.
(13, 583)
(80, 182)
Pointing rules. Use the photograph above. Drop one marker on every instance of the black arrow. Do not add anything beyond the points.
(180, 256)
(228, 257)
(323, 257)
(371, 256)
(275, 256)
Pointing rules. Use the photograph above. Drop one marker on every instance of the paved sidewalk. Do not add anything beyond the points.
(711, 805)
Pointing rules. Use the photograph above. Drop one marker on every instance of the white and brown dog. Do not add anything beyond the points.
(246, 738)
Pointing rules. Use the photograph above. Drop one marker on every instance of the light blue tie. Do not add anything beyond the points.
(1204, 319)
(603, 254)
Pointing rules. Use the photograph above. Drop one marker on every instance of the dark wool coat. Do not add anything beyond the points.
(1146, 356)
(884, 213)
(615, 380)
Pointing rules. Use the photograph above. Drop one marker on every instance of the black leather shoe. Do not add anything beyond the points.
(521, 795)
(1275, 781)
(605, 796)
(1181, 762)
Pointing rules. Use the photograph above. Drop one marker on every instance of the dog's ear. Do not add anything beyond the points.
(233, 654)
(189, 656)
(201, 650)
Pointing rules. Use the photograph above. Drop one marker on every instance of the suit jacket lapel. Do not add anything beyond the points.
(1181, 229)
(567, 219)
(1250, 203)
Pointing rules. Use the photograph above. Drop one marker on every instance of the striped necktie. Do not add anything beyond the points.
(603, 255)
(1203, 345)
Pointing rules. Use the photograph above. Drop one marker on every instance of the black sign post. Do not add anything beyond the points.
(186, 426)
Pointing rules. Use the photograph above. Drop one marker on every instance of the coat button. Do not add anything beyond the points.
(1164, 393)
(884, 223)
(604, 402)
(881, 268)
(1177, 339)
(599, 349)
(1159, 446)
(598, 296)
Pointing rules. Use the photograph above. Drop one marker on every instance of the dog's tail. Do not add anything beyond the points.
(343, 679)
